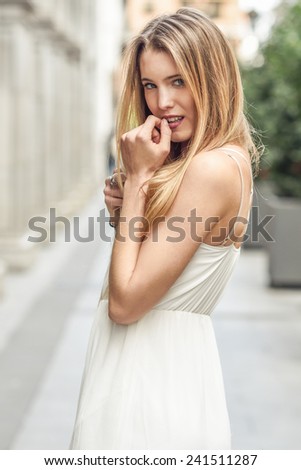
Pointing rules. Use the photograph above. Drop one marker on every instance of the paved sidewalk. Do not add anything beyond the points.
(34, 326)
(258, 331)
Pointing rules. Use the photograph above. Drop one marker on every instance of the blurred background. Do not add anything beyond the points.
(59, 84)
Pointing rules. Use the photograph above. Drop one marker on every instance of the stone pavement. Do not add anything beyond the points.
(45, 321)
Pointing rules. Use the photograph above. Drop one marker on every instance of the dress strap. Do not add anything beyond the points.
(226, 150)
(245, 159)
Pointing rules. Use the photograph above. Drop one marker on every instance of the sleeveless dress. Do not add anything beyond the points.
(157, 383)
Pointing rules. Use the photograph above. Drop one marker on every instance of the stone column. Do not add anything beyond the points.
(18, 172)
(52, 139)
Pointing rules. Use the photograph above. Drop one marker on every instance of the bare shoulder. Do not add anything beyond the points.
(212, 169)
(212, 185)
(211, 178)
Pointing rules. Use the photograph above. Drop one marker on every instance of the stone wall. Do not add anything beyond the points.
(52, 151)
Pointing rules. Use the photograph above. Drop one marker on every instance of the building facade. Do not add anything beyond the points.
(226, 13)
(53, 89)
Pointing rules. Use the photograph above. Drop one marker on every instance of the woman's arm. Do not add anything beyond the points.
(144, 150)
(126, 246)
(142, 272)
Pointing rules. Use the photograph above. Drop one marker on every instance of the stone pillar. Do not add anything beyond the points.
(46, 92)
(43, 118)
(18, 168)
(52, 136)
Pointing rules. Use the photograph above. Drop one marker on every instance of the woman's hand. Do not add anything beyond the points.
(113, 194)
(144, 149)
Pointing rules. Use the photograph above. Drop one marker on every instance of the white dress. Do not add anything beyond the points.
(157, 383)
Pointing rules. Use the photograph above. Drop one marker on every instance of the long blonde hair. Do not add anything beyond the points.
(210, 71)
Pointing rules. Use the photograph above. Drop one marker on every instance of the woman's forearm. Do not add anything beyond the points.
(114, 217)
(126, 247)
(126, 288)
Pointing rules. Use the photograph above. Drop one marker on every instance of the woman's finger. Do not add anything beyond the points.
(156, 136)
(165, 135)
(148, 127)
(113, 178)
(116, 192)
(110, 186)
(113, 203)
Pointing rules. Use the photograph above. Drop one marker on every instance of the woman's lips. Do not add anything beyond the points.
(175, 124)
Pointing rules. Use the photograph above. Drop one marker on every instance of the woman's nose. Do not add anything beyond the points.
(165, 99)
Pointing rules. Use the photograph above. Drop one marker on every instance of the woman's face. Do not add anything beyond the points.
(166, 94)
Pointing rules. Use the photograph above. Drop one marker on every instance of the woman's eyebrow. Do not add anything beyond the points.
(167, 78)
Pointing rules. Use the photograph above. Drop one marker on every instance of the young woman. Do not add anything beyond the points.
(183, 186)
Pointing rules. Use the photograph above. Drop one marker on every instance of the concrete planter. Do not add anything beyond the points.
(284, 252)
(263, 191)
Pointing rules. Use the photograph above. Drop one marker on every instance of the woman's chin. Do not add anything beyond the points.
(178, 137)
(178, 140)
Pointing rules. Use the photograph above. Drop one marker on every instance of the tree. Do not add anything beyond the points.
(273, 94)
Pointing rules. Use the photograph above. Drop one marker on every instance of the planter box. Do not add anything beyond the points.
(285, 251)
(263, 191)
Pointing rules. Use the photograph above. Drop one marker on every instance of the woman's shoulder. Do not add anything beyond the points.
(215, 158)
(213, 177)
(212, 168)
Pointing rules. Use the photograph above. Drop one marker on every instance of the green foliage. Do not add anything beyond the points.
(273, 94)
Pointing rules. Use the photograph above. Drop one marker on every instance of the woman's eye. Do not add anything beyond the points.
(179, 82)
(148, 86)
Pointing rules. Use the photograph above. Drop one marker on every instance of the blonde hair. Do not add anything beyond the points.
(210, 71)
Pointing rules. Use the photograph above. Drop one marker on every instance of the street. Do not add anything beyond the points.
(45, 321)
